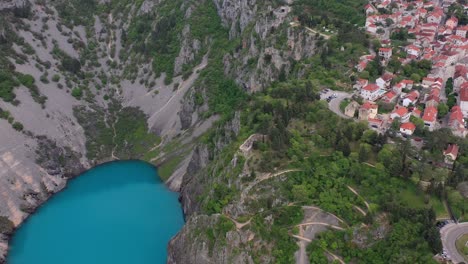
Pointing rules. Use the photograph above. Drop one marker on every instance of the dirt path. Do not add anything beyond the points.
(320, 223)
(318, 208)
(109, 45)
(239, 225)
(335, 257)
(316, 32)
(358, 195)
(360, 210)
(263, 177)
(181, 89)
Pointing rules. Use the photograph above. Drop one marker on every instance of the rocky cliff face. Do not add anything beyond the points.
(270, 43)
(74, 73)
(211, 246)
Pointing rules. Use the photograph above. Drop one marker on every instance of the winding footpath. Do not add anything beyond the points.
(449, 235)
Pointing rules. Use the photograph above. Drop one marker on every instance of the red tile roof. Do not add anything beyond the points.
(368, 105)
(452, 149)
(401, 111)
(408, 126)
(456, 115)
(389, 96)
(464, 94)
(371, 87)
(430, 114)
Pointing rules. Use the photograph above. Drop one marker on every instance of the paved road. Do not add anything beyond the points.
(449, 234)
(334, 104)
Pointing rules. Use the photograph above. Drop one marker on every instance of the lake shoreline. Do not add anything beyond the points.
(34, 209)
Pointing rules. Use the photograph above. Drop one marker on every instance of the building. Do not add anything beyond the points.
(385, 53)
(450, 154)
(435, 16)
(400, 113)
(370, 9)
(410, 99)
(460, 76)
(461, 31)
(430, 118)
(463, 100)
(370, 92)
(451, 23)
(384, 81)
(407, 128)
(376, 123)
(413, 50)
(389, 97)
(433, 98)
(456, 122)
(361, 66)
(351, 108)
(368, 111)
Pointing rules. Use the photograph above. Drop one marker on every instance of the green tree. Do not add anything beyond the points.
(442, 110)
(364, 152)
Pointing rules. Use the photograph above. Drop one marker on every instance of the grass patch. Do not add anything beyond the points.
(462, 246)
(344, 104)
(167, 168)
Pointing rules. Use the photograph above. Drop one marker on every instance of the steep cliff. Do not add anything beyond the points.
(84, 82)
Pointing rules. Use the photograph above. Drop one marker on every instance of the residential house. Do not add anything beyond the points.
(463, 100)
(407, 128)
(416, 113)
(435, 16)
(433, 98)
(430, 118)
(400, 113)
(371, 28)
(413, 50)
(370, 92)
(456, 122)
(384, 81)
(451, 23)
(460, 76)
(370, 9)
(411, 98)
(368, 111)
(461, 31)
(385, 53)
(360, 83)
(376, 123)
(389, 97)
(451, 154)
(408, 84)
(428, 81)
(361, 65)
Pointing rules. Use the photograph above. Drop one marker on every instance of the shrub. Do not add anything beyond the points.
(18, 126)
(77, 93)
(56, 78)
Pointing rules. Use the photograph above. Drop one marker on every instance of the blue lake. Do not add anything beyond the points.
(116, 213)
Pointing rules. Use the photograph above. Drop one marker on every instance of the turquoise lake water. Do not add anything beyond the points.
(116, 213)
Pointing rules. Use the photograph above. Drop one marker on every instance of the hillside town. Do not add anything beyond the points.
(415, 76)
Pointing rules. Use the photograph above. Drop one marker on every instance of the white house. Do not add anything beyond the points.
(401, 113)
(407, 128)
(385, 53)
(370, 92)
(461, 31)
(411, 98)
